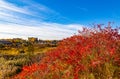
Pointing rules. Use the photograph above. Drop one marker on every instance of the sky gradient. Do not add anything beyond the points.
(54, 19)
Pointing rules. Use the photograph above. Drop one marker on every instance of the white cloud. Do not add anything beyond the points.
(30, 11)
(28, 21)
(56, 31)
(76, 26)
(11, 7)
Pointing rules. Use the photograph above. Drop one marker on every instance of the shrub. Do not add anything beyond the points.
(92, 54)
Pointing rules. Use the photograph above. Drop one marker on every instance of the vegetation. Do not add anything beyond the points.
(12, 64)
(18, 46)
(16, 53)
(92, 54)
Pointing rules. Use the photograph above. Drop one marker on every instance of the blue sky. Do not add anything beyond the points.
(54, 19)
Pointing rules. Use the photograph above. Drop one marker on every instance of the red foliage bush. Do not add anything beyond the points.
(79, 56)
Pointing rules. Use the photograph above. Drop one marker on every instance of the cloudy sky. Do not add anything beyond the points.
(53, 19)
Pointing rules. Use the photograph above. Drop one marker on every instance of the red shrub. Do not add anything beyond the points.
(85, 52)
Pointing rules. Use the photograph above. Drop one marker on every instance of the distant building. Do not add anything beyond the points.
(32, 39)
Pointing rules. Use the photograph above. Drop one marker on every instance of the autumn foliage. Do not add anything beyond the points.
(92, 54)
